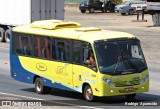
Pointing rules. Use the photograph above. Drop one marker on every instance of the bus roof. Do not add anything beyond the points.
(69, 30)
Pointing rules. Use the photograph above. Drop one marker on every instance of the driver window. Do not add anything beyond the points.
(88, 57)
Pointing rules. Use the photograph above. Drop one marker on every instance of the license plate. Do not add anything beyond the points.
(130, 89)
(82, 4)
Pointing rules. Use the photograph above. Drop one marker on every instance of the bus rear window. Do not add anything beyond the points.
(22, 45)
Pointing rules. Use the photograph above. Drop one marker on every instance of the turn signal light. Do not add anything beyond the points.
(111, 91)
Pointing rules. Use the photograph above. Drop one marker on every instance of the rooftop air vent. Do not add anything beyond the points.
(87, 29)
(54, 24)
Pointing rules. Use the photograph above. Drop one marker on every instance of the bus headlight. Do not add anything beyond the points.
(109, 82)
(145, 78)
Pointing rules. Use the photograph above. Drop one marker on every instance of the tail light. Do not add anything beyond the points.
(14, 74)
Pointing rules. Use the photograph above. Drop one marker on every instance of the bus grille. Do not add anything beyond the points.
(126, 83)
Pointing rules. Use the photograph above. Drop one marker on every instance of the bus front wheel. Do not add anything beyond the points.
(88, 93)
(40, 89)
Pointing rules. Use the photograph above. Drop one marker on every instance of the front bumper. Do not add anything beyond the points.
(116, 9)
(115, 91)
(83, 7)
(123, 11)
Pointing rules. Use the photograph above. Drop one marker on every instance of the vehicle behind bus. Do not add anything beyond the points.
(58, 54)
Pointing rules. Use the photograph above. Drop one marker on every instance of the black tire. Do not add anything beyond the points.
(111, 9)
(40, 89)
(151, 12)
(130, 12)
(83, 11)
(7, 36)
(91, 10)
(123, 13)
(103, 10)
(88, 93)
(2, 35)
(130, 97)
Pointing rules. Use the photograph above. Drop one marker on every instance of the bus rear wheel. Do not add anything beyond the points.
(88, 93)
(40, 89)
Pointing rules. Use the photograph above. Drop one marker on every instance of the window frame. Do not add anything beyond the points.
(61, 40)
(81, 53)
(91, 46)
(16, 36)
(41, 36)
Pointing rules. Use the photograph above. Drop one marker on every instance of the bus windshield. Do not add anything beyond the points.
(120, 57)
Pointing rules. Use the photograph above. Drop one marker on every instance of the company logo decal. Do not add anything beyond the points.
(41, 67)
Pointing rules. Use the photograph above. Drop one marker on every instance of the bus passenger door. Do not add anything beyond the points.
(76, 58)
(77, 78)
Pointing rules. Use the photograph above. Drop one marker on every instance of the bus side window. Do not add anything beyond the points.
(62, 50)
(37, 47)
(25, 46)
(42, 47)
(45, 48)
(53, 49)
(88, 57)
(86, 53)
(76, 52)
(16, 47)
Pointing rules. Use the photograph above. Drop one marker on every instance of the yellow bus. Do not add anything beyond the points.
(95, 62)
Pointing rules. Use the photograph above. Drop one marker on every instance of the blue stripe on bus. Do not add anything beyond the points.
(27, 77)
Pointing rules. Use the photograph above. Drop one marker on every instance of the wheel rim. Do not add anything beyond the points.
(89, 94)
(131, 12)
(38, 86)
(92, 10)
